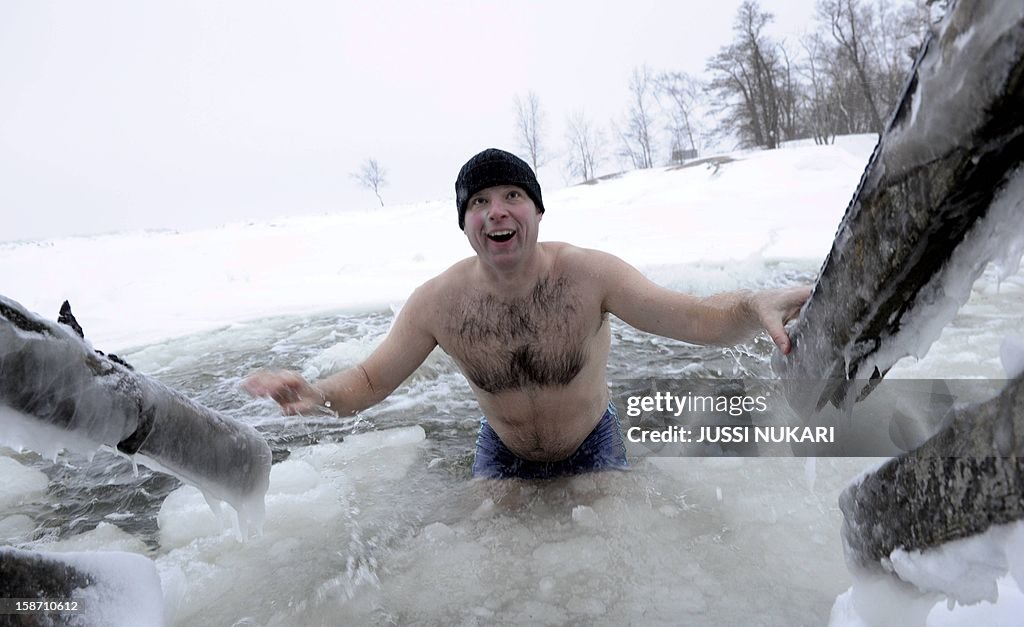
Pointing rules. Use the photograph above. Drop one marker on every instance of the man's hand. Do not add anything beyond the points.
(293, 393)
(774, 308)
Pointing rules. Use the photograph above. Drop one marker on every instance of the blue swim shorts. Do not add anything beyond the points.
(604, 449)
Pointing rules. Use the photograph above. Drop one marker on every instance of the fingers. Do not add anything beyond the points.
(780, 337)
(801, 295)
(798, 296)
(793, 300)
(284, 387)
(779, 308)
(295, 409)
(263, 382)
(254, 386)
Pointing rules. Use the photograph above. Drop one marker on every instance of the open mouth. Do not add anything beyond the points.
(501, 236)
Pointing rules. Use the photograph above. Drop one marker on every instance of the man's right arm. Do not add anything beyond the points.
(721, 319)
(406, 346)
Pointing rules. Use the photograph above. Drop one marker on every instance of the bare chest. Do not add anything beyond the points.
(538, 340)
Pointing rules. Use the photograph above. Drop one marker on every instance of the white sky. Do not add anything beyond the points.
(140, 114)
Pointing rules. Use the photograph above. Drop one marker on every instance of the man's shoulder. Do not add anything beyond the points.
(429, 302)
(456, 272)
(570, 257)
(564, 251)
(441, 285)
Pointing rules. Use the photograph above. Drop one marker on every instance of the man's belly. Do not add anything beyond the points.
(546, 424)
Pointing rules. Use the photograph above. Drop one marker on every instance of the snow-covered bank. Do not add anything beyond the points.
(129, 289)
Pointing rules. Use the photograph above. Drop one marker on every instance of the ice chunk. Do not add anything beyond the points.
(17, 528)
(438, 532)
(484, 510)
(585, 516)
(111, 588)
(20, 484)
(1011, 354)
(105, 536)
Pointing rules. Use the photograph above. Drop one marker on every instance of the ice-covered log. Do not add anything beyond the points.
(57, 392)
(98, 588)
(942, 195)
(964, 479)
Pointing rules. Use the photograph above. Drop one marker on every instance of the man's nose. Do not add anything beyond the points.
(497, 210)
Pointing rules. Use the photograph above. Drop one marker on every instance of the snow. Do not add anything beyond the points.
(968, 578)
(964, 570)
(880, 601)
(125, 589)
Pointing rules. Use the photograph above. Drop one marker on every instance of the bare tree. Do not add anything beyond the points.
(372, 176)
(820, 103)
(788, 95)
(844, 78)
(637, 137)
(851, 23)
(899, 31)
(586, 145)
(746, 77)
(530, 128)
(862, 55)
(839, 106)
(683, 93)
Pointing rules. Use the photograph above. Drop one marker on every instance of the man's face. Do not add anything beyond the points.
(501, 224)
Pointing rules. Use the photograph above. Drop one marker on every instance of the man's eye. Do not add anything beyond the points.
(513, 195)
(477, 201)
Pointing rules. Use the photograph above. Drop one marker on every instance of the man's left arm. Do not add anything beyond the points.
(722, 319)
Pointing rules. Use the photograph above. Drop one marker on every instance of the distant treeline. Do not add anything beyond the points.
(842, 78)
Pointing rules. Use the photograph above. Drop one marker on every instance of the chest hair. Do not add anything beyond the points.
(538, 340)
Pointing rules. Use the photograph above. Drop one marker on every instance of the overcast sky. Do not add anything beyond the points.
(180, 114)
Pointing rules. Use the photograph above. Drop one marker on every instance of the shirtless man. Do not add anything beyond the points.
(527, 324)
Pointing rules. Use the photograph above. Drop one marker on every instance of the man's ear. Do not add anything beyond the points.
(540, 215)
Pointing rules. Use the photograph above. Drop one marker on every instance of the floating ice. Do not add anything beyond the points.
(20, 484)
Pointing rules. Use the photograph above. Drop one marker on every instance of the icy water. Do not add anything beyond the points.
(374, 519)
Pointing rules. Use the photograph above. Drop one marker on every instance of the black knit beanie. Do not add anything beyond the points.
(494, 167)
